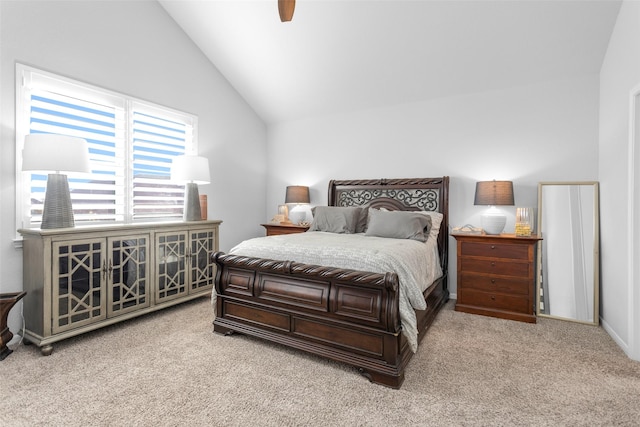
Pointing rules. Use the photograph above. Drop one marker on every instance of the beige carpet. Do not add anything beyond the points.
(169, 369)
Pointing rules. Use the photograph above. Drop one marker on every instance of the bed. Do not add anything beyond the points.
(348, 315)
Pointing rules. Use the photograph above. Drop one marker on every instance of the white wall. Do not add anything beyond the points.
(135, 48)
(619, 75)
(542, 132)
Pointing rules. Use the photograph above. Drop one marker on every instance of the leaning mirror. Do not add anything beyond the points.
(568, 258)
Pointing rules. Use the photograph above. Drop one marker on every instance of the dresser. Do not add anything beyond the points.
(496, 275)
(84, 278)
(274, 229)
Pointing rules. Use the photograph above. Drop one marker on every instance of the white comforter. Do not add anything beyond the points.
(416, 263)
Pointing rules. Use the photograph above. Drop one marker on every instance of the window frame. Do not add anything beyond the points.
(27, 78)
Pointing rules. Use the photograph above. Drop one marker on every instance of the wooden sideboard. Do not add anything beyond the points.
(84, 278)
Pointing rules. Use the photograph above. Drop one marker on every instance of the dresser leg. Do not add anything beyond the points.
(46, 350)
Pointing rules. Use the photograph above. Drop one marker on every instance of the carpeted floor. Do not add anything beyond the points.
(169, 369)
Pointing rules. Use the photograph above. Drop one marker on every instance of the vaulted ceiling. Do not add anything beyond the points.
(346, 55)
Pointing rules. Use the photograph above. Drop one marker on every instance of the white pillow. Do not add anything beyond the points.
(436, 220)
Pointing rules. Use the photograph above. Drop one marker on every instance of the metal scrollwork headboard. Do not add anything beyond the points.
(403, 199)
(426, 194)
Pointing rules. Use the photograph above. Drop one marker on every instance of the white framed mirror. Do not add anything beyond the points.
(569, 256)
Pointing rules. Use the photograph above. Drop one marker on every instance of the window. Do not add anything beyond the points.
(131, 146)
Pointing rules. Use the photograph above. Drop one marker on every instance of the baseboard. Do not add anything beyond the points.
(621, 343)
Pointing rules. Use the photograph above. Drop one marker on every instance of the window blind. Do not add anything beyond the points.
(156, 140)
(131, 147)
(94, 197)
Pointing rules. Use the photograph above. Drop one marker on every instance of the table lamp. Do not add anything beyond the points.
(297, 195)
(59, 153)
(191, 170)
(494, 193)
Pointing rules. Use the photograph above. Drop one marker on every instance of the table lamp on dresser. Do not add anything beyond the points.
(191, 170)
(59, 153)
(297, 195)
(492, 194)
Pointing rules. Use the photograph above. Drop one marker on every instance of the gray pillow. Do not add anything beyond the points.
(363, 218)
(334, 219)
(399, 225)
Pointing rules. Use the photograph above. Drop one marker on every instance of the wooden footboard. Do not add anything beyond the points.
(345, 315)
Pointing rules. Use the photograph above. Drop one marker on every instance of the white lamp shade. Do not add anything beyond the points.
(190, 168)
(60, 153)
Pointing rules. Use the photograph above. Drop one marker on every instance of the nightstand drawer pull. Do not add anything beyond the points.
(493, 263)
(493, 246)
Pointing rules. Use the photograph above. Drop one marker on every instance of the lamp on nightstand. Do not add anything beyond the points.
(191, 170)
(494, 193)
(297, 195)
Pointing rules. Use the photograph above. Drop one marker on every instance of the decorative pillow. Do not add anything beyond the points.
(399, 225)
(334, 219)
(436, 220)
(363, 218)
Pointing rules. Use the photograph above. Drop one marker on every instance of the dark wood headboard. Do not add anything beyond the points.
(412, 194)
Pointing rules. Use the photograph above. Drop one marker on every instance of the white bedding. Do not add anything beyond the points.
(416, 263)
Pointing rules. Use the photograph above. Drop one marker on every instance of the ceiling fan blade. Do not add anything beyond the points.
(285, 8)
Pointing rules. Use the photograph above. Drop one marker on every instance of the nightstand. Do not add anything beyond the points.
(274, 229)
(496, 275)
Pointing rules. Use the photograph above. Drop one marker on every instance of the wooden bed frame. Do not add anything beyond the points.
(344, 315)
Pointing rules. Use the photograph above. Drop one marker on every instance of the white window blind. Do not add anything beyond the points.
(93, 197)
(131, 146)
(156, 140)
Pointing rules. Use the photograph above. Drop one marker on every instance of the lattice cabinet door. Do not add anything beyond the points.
(171, 265)
(203, 244)
(128, 274)
(78, 283)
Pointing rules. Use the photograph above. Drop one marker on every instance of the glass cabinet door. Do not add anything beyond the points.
(79, 291)
(171, 269)
(128, 274)
(200, 264)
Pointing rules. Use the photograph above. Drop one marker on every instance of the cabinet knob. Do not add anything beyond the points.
(493, 246)
(493, 298)
(493, 280)
(493, 263)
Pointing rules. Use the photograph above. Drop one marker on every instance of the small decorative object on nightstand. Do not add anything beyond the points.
(524, 222)
(496, 275)
(277, 229)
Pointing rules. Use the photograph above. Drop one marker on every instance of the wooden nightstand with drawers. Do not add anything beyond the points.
(275, 229)
(496, 275)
